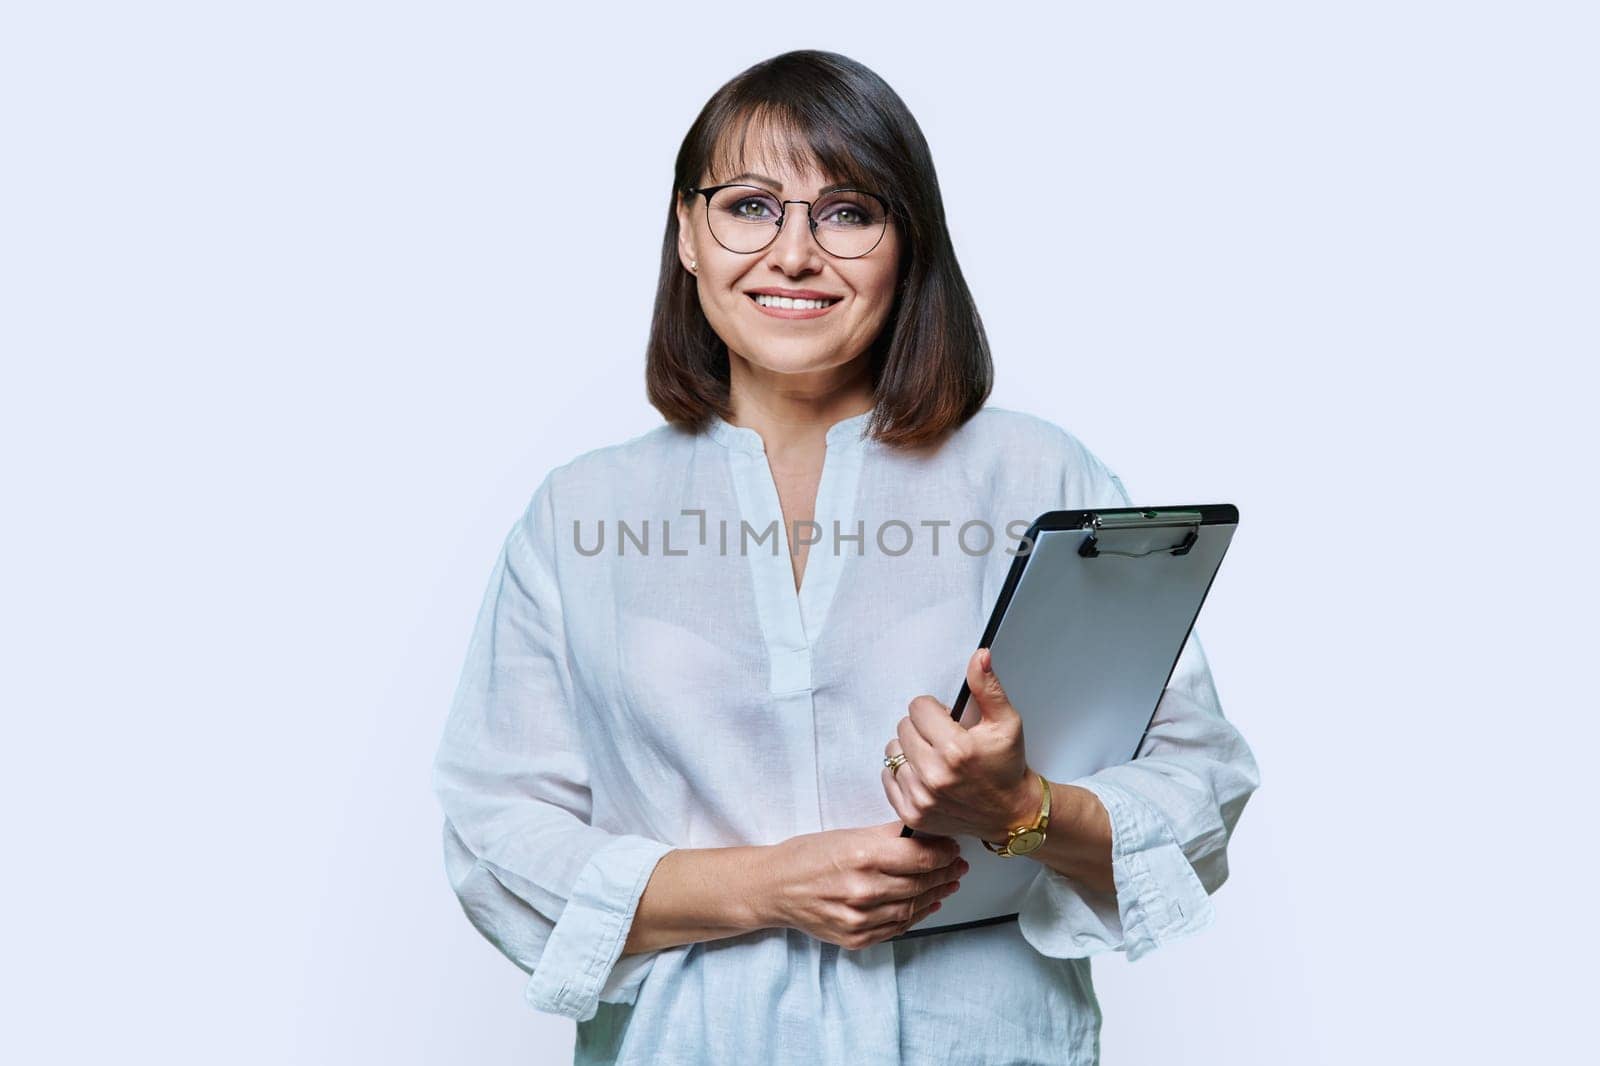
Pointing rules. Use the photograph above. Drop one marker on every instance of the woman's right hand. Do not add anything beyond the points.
(859, 887)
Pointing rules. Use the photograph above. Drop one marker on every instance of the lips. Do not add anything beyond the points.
(793, 307)
(794, 294)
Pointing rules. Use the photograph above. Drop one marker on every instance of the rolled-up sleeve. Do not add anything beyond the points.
(1172, 809)
(552, 892)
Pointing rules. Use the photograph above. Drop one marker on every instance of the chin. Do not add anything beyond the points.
(796, 359)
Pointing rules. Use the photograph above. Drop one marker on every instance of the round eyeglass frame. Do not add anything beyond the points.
(777, 227)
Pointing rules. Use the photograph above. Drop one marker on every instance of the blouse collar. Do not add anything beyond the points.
(842, 435)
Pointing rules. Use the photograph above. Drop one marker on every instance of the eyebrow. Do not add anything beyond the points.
(835, 187)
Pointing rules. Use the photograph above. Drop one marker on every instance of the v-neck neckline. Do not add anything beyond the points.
(842, 436)
(791, 618)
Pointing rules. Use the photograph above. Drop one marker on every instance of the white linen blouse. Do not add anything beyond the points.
(643, 676)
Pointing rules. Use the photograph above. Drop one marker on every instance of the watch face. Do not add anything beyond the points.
(1026, 841)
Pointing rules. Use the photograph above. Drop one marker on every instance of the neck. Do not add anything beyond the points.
(790, 411)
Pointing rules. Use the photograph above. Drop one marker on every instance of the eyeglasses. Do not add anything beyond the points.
(847, 223)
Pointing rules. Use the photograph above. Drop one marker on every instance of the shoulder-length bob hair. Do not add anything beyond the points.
(931, 369)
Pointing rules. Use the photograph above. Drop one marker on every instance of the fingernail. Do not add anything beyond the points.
(985, 660)
(935, 906)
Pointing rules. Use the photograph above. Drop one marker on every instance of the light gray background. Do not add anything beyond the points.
(297, 305)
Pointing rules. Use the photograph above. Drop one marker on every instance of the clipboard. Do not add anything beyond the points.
(1085, 633)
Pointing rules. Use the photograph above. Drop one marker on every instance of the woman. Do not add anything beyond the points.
(680, 755)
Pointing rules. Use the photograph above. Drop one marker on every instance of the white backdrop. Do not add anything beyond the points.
(296, 308)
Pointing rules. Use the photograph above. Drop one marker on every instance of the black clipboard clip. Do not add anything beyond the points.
(1119, 520)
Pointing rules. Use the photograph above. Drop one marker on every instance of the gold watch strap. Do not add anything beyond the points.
(1039, 824)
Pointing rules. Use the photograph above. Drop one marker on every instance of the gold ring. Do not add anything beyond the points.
(894, 762)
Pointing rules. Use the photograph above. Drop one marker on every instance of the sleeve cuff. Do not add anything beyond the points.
(1159, 898)
(580, 963)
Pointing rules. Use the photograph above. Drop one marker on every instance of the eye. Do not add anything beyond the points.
(849, 211)
(752, 209)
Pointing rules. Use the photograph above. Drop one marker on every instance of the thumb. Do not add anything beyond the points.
(985, 687)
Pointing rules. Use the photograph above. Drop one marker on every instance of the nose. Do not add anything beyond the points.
(795, 250)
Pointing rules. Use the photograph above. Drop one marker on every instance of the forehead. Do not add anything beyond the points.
(780, 149)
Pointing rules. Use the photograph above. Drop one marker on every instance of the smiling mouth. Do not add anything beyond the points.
(785, 303)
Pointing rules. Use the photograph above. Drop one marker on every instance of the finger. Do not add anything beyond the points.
(884, 933)
(892, 887)
(921, 914)
(901, 788)
(903, 887)
(904, 912)
(925, 763)
(891, 748)
(918, 855)
(900, 911)
(910, 799)
(935, 726)
(897, 799)
(984, 684)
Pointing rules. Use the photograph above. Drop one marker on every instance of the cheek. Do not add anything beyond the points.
(877, 287)
(876, 300)
(719, 302)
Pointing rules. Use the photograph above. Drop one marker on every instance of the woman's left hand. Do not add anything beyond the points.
(959, 781)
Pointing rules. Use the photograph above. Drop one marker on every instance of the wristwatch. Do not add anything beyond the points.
(1026, 838)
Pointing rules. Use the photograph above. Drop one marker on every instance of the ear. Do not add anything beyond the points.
(688, 238)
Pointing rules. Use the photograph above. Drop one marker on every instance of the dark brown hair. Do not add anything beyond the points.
(930, 366)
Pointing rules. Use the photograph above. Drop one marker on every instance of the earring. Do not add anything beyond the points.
(693, 263)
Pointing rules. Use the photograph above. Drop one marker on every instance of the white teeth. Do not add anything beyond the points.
(783, 301)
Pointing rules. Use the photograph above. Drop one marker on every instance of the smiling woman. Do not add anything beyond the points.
(807, 178)
(663, 773)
